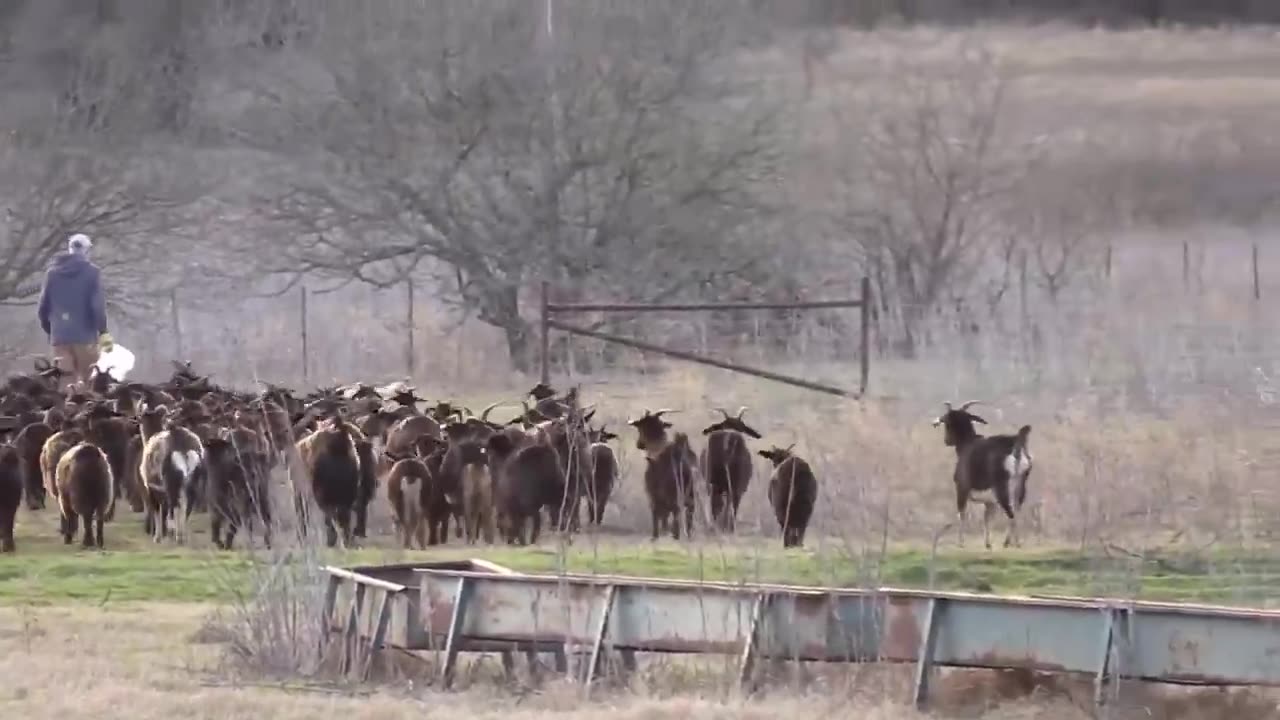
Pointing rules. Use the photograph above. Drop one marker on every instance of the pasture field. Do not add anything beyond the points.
(134, 569)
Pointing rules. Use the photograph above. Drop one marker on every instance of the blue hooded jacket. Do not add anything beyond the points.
(72, 308)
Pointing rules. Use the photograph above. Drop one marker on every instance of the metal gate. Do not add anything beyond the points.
(863, 303)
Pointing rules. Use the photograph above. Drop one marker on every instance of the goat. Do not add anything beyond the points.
(531, 478)
(29, 442)
(990, 470)
(368, 484)
(83, 478)
(111, 433)
(793, 493)
(604, 474)
(11, 482)
(568, 435)
(669, 481)
(332, 464)
(238, 491)
(669, 474)
(476, 490)
(407, 493)
(169, 465)
(726, 465)
(52, 451)
(151, 420)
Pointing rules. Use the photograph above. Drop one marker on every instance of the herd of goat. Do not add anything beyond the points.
(188, 446)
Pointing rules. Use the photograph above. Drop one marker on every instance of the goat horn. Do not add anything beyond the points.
(723, 412)
(484, 414)
(662, 411)
(969, 404)
(742, 411)
(789, 447)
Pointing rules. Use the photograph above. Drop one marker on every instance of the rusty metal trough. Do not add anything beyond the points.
(474, 606)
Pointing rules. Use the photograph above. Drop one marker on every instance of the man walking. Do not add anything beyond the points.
(72, 310)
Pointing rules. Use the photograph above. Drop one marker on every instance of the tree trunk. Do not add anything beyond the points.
(519, 345)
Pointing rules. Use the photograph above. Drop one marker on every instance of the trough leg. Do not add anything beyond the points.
(747, 662)
(924, 654)
(454, 641)
(602, 628)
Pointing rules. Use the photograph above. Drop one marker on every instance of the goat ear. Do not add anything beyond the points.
(765, 454)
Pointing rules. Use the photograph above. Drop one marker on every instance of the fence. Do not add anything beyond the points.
(302, 331)
(863, 303)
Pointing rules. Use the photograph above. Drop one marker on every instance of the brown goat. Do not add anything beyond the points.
(238, 491)
(111, 433)
(407, 491)
(530, 479)
(604, 474)
(402, 436)
(83, 478)
(29, 442)
(793, 493)
(477, 499)
(52, 451)
(670, 480)
(331, 462)
(11, 481)
(726, 465)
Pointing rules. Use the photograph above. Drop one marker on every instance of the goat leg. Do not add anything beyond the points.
(215, 529)
(987, 512)
(87, 539)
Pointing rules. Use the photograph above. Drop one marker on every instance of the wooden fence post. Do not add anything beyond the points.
(865, 339)
(544, 338)
(1257, 280)
(410, 360)
(177, 323)
(302, 324)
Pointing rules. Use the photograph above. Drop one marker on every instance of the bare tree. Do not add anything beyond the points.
(78, 157)
(928, 181)
(609, 147)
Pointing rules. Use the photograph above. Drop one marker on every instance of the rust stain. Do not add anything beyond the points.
(902, 631)
(1184, 654)
(994, 658)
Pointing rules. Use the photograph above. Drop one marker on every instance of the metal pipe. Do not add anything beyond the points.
(684, 307)
(690, 357)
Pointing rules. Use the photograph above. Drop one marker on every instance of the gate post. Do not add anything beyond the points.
(865, 307)
(544, 339)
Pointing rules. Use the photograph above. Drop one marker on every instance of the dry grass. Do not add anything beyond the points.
(151, 661)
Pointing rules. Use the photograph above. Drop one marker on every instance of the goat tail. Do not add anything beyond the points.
(1024, 433)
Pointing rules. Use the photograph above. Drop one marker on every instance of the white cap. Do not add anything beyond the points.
(79, 243)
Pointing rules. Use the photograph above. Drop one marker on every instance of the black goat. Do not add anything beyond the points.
(726, 465)
(793, 493)
(604, 474)
(990, 470)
